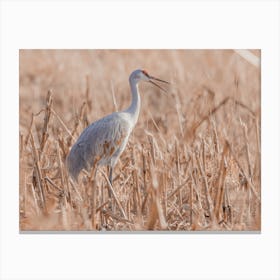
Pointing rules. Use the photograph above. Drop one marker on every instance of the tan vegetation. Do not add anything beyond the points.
(192, 161)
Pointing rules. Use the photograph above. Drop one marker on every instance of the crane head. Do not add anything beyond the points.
(142, 75)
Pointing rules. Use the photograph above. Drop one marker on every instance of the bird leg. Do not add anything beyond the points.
(112, 205)
(111, 180)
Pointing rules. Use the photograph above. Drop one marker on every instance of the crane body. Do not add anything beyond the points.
(104, 140)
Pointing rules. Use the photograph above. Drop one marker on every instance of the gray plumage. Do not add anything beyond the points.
(103, 141)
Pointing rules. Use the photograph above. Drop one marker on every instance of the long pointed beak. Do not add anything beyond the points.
(156, 79)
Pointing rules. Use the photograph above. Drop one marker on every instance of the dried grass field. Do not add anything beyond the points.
(192, 162)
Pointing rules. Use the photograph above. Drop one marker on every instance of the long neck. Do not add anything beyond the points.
(134, 107)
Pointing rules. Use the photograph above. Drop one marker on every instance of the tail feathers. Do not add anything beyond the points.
(74, 166)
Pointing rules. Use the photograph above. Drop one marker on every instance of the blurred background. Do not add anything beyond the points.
(189, 71)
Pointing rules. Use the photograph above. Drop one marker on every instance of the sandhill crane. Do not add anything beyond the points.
(104, 140)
